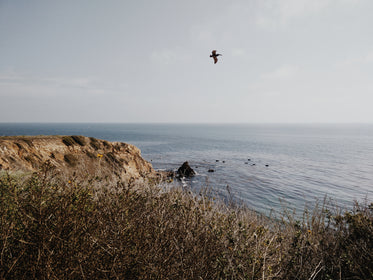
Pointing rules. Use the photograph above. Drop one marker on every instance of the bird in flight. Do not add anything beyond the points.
(215, 55)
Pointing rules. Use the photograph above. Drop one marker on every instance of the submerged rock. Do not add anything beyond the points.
(185, 170)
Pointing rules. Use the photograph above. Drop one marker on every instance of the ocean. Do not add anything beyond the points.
(265, 166)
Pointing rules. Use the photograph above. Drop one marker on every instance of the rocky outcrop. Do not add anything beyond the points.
(74, 155)
(185, 170)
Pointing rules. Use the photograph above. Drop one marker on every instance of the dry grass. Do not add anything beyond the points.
(52, 227)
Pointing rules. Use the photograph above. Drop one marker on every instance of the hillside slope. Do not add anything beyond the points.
(76, 155)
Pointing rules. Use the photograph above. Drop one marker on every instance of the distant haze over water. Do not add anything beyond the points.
(264, 165)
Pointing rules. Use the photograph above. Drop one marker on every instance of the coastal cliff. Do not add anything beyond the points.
(76, 155)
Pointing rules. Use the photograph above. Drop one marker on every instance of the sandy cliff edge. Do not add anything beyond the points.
(74, 155)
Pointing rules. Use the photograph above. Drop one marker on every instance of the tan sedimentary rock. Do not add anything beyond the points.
(77, 155)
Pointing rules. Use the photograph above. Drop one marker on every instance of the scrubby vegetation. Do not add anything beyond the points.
(74, 139)
(94, 143)
(70, 159)
(68, 140)
(80, 140)
(27, 141)
(53, 227)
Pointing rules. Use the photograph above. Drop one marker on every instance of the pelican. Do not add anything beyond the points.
(215, 55)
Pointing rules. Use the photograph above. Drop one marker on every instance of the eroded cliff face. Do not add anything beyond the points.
(76, 155)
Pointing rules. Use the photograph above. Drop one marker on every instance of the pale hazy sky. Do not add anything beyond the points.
(148, 61)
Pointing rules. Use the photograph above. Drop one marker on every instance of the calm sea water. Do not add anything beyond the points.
(304, 162)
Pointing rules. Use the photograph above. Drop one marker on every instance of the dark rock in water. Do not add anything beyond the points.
(246, 163)
(185, 170)
(223, 161)
(211, 170)
(253, 164)
(249, 159)
(217, 160)
(267, 165)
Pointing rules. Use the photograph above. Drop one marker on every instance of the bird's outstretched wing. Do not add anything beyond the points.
(214, 52)
(215, 59)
